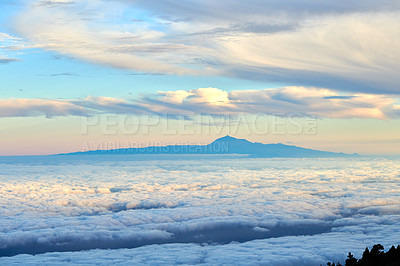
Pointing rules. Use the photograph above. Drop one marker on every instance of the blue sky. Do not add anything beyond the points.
(62, 61)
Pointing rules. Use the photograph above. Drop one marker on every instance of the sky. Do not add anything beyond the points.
(93, 74)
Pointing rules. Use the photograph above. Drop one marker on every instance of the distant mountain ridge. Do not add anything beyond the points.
(225, 145)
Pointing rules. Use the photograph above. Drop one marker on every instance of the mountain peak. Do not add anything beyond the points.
(228, 138)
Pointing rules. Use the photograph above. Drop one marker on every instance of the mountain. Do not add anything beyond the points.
(225, 145)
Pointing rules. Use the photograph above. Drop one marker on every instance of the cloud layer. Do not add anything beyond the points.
(306, 43)
(213, 101)
(54, 204)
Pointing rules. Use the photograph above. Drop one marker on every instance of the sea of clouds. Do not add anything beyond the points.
(204, 209)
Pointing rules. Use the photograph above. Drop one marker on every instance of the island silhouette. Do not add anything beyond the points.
(224, 146)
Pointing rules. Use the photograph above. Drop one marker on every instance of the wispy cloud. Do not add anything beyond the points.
(64, 74)
(39, 107)
(214, 101)
(55, 2)
(78, 31)
(7, 60)
(320, 44)
(7, 37)
(198, 10)
(8, 43)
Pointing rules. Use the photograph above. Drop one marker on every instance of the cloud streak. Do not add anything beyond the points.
(39, 107)
(214, 101)
(7, 60)
(230, 9)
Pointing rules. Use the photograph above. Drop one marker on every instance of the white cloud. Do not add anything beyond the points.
(8, 43)
(211, 96)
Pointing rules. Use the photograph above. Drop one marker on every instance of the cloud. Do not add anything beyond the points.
(55, 2)
(9, 43)
(301, 100)
(312, 43)
(81, 35)
(7, 37)
(233, 9)
(211, 96)
(64, 74)
(322, 102)
(7, 60)
(346, 51)
(213, 101)
(39, 107)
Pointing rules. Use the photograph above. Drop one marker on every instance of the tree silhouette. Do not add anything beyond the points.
(375, 257)
(351, 261)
